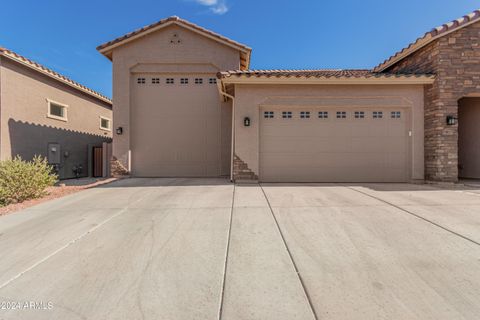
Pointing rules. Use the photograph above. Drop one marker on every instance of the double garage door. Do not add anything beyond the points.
(334, 145)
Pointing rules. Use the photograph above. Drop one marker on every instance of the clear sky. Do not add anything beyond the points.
(299, 34)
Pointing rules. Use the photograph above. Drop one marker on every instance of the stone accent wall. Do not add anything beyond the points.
(455, 59)
(117, 169)
(241, 170)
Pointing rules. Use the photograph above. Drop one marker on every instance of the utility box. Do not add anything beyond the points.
(53, 153)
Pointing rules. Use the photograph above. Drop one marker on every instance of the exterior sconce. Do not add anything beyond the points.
(119, 130)
(246, 122)
(451, 120)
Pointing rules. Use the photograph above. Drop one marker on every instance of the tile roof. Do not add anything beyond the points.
(49, 72)
(430, 36)
(174, 19)
(319, 73)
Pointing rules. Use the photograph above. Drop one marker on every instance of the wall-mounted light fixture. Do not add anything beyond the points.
(451, 120)
(119, 130)
(246, 122)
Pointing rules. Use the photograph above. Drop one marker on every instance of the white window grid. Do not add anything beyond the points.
(286, 114)
(359, 114)
(323, 114)
(304, 114)
(395, 114)
(377, 114)
(341, 114)
(268, 114)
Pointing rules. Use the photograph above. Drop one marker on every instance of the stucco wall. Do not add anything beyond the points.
(26, 130)
(248, 99)
(156, 54)
(455, 59)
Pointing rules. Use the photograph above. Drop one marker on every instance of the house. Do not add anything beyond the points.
(44, 113)
(186, 104)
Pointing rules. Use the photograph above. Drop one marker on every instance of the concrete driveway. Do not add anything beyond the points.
(205, 249)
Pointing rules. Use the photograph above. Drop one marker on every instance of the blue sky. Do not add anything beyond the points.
(286, 34)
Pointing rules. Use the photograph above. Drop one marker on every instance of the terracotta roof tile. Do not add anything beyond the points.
(38, 67)
(319, 73)
(430, 36)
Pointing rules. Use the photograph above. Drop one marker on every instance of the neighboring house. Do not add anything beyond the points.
(44, 113)
(396, 123)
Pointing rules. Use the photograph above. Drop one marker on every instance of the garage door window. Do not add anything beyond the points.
(212, 80)
(304, 114)
(155, 80)
(323, 114)
(170, 81)
(377, 114)
(198, 80)
(341, 114)
(141, 80)
(396, 114)
(286, 114)
(184, 81)
(268, 114)
(359, 114)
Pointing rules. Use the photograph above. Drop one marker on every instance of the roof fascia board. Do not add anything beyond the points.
(304, 80)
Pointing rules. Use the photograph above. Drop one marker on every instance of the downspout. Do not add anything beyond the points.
(221, 89)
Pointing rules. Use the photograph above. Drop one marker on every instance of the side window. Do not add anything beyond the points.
(57, 110)
(323, 114)
(395, 114)
(105, 123)
(268, 114)
(341, 114)
(304, 114)
(377, 114)
(286, 114)
(359, 114)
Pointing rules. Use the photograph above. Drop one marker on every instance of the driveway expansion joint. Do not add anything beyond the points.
(302, 283)
(418, 216)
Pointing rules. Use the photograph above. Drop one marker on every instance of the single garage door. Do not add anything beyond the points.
(334, 145)
(176, 125)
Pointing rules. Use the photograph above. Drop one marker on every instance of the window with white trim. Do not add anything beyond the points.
(286, 114)
(198, 81)
(377, 114)
(169, 81)
(395, 114)
(57, 110)
(184, 81)
(359, 114)
(105, 123)
(341, 114)
(141, 80)
(155, 80)
(212, 80)
(323, 114)
(304, 114)
(268, 114)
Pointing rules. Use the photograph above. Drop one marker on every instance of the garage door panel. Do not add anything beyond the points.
(334, 150)
(176, 129)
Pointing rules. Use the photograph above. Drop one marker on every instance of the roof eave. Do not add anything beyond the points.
(390, 80)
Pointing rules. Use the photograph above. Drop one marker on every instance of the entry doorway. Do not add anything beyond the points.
(469, 138)
(97, 162)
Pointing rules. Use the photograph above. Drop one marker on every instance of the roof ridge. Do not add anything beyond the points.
(38, 67)
(428, 37)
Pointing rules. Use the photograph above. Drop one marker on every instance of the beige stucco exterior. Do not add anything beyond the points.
(155, 56)
(250, 100)
(26, 129)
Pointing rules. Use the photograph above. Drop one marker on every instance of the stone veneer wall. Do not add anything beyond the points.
(455, 59)
(241, 171)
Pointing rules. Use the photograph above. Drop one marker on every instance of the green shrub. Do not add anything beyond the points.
(23, 180)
